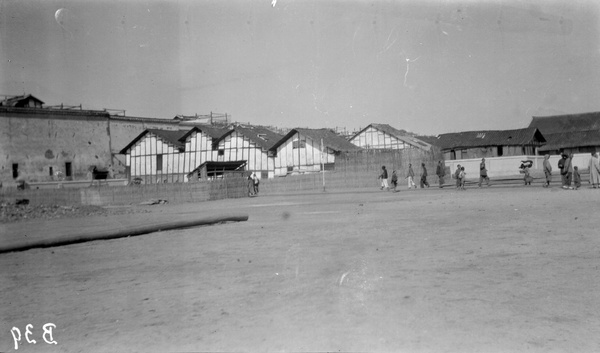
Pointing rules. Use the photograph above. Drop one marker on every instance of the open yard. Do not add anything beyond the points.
(500, 269)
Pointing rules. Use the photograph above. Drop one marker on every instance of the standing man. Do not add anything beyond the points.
(384, 178)
(423, 176)
(483, 173)
(440, 171)
(410, 175)
(563, 171)
(594, 170)
(256, 182)
(568, 167)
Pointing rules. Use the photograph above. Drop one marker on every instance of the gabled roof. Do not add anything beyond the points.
(19, 101)
(330, 139)
(566, 123)
(485, 138)
(570, 140)
(171, 137)
(262, 137)
(210, 130)
(402, 136)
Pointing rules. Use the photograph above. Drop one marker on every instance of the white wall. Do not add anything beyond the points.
(509, 166)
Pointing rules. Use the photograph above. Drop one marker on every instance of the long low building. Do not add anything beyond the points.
(489, 143)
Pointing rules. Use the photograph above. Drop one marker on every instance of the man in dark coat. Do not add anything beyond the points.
(424, 176)
(563, 170)
(440, 171)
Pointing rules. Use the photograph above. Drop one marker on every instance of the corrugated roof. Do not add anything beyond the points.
(571, 140)
(262, 137)
(330, 139)
(170, 136)
(564, 123)
(402, 136)
(485, 138)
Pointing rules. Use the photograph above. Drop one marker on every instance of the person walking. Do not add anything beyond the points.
(384, 178)
(410, 175)
(547, 170)
(423, 176)
(440, 171)
(527, 178)
(394, 180)
(483, 173)
(462, 176)
(457, 176)
(595, 170)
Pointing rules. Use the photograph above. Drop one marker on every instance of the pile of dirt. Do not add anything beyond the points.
(13, 212)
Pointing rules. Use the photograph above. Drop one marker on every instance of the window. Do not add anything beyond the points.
(290, 169)
(68, 170)
(500, 151)
(15, 168)
(159, 162)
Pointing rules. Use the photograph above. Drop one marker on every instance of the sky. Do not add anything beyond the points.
(429, 67)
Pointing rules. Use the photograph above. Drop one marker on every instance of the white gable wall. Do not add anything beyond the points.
(142, 160)
(372, 138)
(198, 149)
(306, 157)
(237, 147)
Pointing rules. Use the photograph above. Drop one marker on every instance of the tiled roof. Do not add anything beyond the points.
(484, 138)
(18, 101)
(565, 123)
(571, 140)
(330, 139)
(402, 136)
(170, 136)
(262, 137)
(210, 130)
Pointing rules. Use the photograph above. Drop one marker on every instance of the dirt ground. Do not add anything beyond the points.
(500, 269)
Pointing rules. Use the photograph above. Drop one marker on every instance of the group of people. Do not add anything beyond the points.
(253, 182)
(440, 171)
(461, 176)
(569, 174)
(410, 176)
